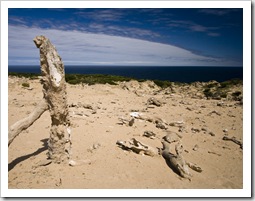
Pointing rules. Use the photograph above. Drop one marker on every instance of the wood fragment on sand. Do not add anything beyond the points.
(233, 139)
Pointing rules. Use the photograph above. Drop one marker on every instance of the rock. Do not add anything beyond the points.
(131, 122)
(182, 129)
(176, 123)
(195, 148)
(221, 104)
(96, 145)
(72, 163)
(161, 125)
(154, 101)
(135, 114)
(149, 134)
(79, 162)
(211, 133)
(204, 129)
(172, 137)
(214, 112)
(189, 108)
(195, 130)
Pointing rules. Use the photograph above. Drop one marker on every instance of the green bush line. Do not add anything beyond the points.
(26, 75)
(92, 79)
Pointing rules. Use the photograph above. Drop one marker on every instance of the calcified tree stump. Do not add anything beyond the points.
(54, 92)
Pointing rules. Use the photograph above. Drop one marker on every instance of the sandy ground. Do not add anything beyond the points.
(96, 131)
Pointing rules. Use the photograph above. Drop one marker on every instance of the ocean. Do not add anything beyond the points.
(172, 73)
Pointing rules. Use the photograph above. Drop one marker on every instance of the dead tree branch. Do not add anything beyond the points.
(233, 139)
(23, 124)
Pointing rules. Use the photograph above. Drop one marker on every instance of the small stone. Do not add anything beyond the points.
(131, 122)
(161, 126)
(204, 129)
(211, 133)
(72, 163)
(149, 134)
(154, 101)
(189, 108)
(195, 148)
(96, 146)
(221, 103)
(195, 130)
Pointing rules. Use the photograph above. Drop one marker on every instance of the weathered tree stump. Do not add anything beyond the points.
(54, 91)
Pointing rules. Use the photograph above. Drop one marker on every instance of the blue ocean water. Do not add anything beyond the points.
(172, 73)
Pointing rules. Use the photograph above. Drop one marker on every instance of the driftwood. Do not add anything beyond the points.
(233, 139)
(54, 99)
(23, 124)
(138, 147)
(176, 161)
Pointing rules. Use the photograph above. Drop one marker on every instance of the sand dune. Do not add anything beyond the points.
(96, 129)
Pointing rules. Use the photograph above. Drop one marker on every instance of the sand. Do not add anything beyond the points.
(95, 133)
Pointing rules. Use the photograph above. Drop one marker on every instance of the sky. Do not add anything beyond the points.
(129, 37)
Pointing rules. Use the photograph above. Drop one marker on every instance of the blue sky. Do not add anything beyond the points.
(146, 37)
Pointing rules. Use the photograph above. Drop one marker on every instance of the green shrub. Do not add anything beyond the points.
(92, 79)
(211, 85)
(74, 82)
(25, 84)
(207, 92)
(31, 76)
(69, 77)
(162, 84)
(237, 93)
(223, 95)
(230, 83)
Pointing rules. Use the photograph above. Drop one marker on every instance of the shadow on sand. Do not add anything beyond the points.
(16, 161)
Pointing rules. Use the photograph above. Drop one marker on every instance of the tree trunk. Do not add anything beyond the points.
(54, 91)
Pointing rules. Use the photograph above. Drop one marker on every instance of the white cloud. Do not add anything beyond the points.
(83, 48)
(218, 12)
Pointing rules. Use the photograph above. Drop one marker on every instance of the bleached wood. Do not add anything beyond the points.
(54, 90)
(23, 124)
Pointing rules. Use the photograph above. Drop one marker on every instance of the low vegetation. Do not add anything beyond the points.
(31, 76)
(92, 79)
(25, 84)
(163, 84)
(212, 90)
(217, 90)
(95, 79)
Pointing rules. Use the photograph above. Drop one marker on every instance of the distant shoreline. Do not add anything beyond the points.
(185, 74)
